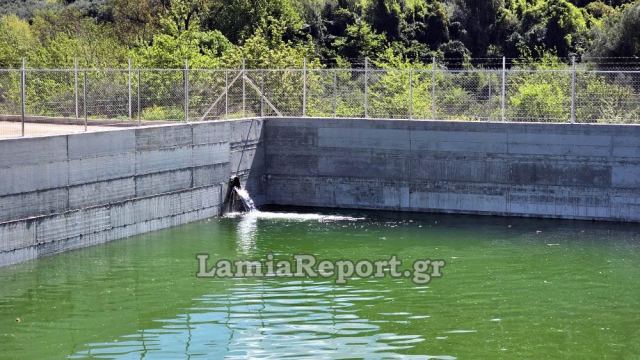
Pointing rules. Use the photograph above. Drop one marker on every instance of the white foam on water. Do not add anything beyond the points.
(267, 215)
(460, 331)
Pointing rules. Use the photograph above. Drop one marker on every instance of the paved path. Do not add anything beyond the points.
(14, 129)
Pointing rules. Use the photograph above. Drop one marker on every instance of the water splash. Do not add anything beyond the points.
(253, 213)
(247, 202)
(291, 216)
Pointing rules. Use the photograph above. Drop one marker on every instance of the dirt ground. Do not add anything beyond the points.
(10, 129)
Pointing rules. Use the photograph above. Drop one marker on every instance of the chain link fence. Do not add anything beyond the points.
(68, 100)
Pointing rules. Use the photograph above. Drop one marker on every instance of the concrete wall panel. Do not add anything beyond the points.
(210, 154)
(245, 131)
(472, 170)
(163, 137)
(25, 178)
(17, 235)
(459, 141)
(99, 144)
(152, 161)
(626, 176)
(363, 138)
(211, 132)
(94, 169)
(362, 164)
(560, 173)
(29, 151)
(158, 183)
(35, 203)
(211, 175)
(101, 193)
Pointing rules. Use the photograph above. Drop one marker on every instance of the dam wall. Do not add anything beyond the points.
(568, 171)
(59, 193)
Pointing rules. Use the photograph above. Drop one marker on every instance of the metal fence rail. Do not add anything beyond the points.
(130, 97)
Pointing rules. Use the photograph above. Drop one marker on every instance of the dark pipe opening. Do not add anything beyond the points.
(230, 201)
(235, 182)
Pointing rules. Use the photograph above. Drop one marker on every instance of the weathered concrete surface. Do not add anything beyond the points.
(573, 171)
(64, 192)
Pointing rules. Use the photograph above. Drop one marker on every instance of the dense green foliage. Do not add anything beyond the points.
(214, 33)
(395, 35)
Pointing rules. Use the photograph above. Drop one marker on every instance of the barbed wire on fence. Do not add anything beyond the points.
(132, 96)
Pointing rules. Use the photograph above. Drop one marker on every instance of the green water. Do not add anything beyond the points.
(511, 289)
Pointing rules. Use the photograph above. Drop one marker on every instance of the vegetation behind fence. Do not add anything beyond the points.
(562, 94)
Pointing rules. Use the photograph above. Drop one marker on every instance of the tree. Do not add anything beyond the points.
(137, 20)
(201, 49)
(620, 34)
(426, 23)
(267, 48)
(360, 42)
(385, 17)
(455, 54)
(23, 9)
(239, 19)
(556, 25)
(599, 10)
(185, 14)
(67, 34)
(16, 41)
(478, 18)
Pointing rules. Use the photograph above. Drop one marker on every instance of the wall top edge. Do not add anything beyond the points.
(467, 122)
(116, 128)
(454, 123)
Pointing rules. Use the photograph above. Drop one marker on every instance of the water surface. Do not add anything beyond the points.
(511, 289)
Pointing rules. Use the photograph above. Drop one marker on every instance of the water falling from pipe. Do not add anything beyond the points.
(244, 196)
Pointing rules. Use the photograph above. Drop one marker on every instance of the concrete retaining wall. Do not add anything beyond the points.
(64, 192)
(572, 171)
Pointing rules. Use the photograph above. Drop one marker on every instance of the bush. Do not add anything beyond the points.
(599, 100)
(162, 113)
(540, 96)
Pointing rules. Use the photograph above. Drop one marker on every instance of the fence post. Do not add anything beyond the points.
(129, 89)
(504, 86)
(411, 93)
(573, 89)
(226, 93)
(304, 87)
(433, 87)
(335, 93)
(23, 94)
(75, 86)
(262, 93)
(186, 90)
(366, 87)
(489, 98)
(138, 98)
(244, 94)
(84, 97)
